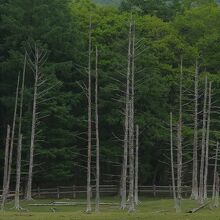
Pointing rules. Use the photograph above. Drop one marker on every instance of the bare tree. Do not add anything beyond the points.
(7, 142)
(201, 177)
(136, 165)
(6, 190)
(194, 194)
(176, 204)
(126, 126)
(18, 174)
(215, 171)
(131, 125)
(216, 204)
(36, 60)
(207, 140)
(131, 161)
(19, 148)
(179, 138)
(88, 205)
(97, 135)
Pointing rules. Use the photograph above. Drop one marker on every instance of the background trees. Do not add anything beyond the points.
(163, 32)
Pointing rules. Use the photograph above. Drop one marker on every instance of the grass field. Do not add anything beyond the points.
(149, 209)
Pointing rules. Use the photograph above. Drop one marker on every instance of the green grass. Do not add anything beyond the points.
(149, 209)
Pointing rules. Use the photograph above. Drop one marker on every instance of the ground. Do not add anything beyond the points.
(149, 209)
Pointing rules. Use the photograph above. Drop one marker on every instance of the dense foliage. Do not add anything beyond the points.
(165, 32)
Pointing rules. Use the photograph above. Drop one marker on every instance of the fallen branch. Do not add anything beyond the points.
(198, 208)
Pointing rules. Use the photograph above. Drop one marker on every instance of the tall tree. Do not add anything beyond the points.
(6, 189)
(19, 147)
(126, 125)
(136, 165)
(215, 171)
(194, 194)
(202, 161)
(207, 140)
(97, 136)
(88, 205)
(179, 137)
(7, 143)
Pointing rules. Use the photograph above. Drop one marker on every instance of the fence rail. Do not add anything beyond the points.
(105, 190)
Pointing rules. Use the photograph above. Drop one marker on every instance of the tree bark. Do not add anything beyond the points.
(131, 161)
(176, 205)
(88, 205)
(7, 142)
(131, 127)
(33, 127)
(18, 174)
(207, 141)
(194, 194)
(97, 137)
(215, 171)
(201, 177)
(6, 191)
(179, 138)
(19, 148)
(136, 166)
(216, 204)
(126, 126)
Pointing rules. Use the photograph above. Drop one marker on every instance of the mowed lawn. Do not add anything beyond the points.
(149, 209)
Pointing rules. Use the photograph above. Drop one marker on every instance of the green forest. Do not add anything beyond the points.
(168, 33)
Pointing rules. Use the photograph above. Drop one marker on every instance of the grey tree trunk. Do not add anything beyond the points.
(5, 192)
(131, 161)
(176, 204)
(136, 166)
(194, 194)
(216, 204)
(7, 142)
(97, 136)
(179, 138)
(201, 177)
(88, 205)
(215, 171)
(126, 127)
(19, 148)
(207, 141)
(131, 128)
(28, 195)
(18, 174)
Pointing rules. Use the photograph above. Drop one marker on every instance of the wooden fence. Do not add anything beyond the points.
(105, 190)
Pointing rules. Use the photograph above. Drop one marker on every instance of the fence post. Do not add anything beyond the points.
(154, 190)
(58, 192)
(74, 192)
(91, 191)
(38, 192)
(170, 189)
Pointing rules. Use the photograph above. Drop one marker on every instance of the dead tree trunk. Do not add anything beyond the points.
(131, 128)
(7, 142)
(97, 136)
(28, 195)
(176, 205)
(201, 177)
(126, 127)
(88, 205)
(194, 194)
(19, 148)
(5, 192)
(131, 161)
(216, 204)
(179, 138)
(18, 174)
(215, 171)
(207, 141)
(136, 165)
